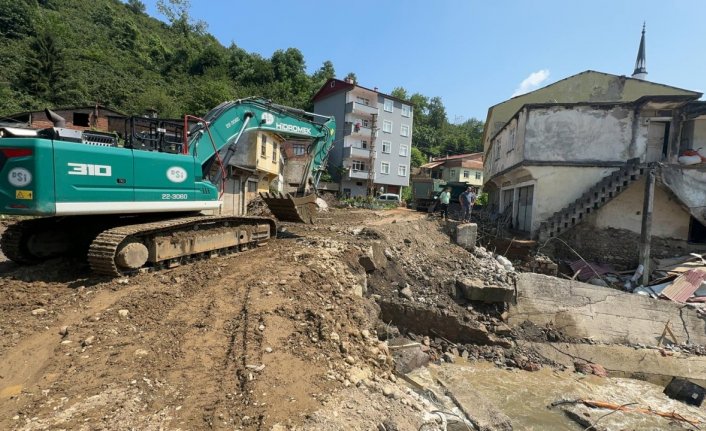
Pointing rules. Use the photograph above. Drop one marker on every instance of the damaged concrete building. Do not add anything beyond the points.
(569, 160)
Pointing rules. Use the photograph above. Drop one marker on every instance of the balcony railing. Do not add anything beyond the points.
(362, 175)
(355, 153)
(360, 109)
(351, 129)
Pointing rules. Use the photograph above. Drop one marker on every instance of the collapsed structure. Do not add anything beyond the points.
(570, 160)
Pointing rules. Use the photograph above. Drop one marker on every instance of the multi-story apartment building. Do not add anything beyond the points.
(373, 137)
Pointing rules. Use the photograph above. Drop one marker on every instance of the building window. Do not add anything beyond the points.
(466, 174)
(404, 130)
(366, 123)
(362, 100)
(299, 150)
(252, 186)
(406, 111)
(358, 165)
(403, 150)
(388, 105)
(478, 174)
(453, 173)
(387, 126)
(512, 140)
(384, 168)
(386, 147)
(364, 144)
(81, 119)
(263, 147)
(402, 170)
(497, 149)
(274, 153)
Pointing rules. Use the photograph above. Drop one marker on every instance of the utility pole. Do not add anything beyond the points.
(371, 158)
(646, 231)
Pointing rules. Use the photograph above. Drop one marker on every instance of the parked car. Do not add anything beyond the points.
(389, 197)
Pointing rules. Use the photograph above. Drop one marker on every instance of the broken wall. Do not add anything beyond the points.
(605, 315)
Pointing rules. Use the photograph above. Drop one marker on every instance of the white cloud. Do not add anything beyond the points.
(532, 82)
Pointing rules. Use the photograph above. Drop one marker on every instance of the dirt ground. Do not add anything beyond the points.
(275, 337)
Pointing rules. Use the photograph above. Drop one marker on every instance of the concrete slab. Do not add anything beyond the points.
(466, 235)
(607, 315)
(623, 361)
(474, 289)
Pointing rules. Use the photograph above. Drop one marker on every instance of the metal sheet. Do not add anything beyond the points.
(685, 285)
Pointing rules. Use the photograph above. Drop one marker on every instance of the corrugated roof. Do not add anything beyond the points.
(685, 285)
(432, 165)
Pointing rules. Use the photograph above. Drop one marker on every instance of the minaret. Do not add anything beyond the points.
(641, 63)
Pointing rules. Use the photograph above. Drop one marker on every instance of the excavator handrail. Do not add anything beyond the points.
(221, 186)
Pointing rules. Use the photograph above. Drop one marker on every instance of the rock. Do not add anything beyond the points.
(388, 391)
(334, 337)
(141, 352)
(39, 312)
(357, 375)
(268, 349)
(407, 241)
(588, 368)
(350, 360)
(88, 341)
(474, 289)
(365, 333)
(123, 313)
(505, 262)
(261, 327)
(407, 293)
(503, 329)
(123, 281)
(448, 357)
(531, 366)
(64, 331)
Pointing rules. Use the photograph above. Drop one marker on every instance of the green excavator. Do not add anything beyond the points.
(152, 199)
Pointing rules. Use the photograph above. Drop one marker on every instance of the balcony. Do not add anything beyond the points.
(360, 109)
(350, 129)
(358, 175)
(356, 153)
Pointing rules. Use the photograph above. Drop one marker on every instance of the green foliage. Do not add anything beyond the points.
(15, 19)
(418, 158)
(351, 77)
(433, 134)
(407, 194)
(482, 199)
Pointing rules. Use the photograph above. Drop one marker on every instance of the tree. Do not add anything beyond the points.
(351, 77)
(400, 93)
(177, 12)
(325, 72)
(44, 67)
(136, 6)
(417, 158)
(15, 19)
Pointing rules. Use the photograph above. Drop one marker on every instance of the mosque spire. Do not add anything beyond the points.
(641, 62)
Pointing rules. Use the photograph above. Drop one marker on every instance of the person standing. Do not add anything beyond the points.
(444, 199)
(467, 199)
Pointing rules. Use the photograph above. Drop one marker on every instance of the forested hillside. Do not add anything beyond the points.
(75, 52)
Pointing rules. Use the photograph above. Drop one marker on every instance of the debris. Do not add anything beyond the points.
(598, 282)
(64, 331)
(625, 408)
(685, 285)
(123, 313)
(590, 368)
(39, 312)
(686, 391)
(588, 270)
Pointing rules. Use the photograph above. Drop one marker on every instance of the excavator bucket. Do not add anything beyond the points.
(290, 208)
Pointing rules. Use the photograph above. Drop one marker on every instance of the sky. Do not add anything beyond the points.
(473, 54)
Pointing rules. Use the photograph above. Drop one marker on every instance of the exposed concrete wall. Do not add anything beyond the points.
(558, 186)
(669, 219)
(588, 86)
(581, 310)
(645, 364)
(694, 134)
(689, 184)
(508, 149)
(580, 133)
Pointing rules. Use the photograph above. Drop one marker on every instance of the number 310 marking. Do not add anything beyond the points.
(90, 170)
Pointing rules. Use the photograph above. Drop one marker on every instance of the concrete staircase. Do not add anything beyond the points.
(597, 196)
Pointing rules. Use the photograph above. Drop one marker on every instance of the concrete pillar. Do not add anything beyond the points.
(466, 235)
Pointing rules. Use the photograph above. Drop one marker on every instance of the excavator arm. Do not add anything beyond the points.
(214, 140)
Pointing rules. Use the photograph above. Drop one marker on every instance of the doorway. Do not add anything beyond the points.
(657, 141)
(525, 198)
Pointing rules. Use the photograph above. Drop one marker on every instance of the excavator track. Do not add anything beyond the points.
(12, 243)
(176, 241)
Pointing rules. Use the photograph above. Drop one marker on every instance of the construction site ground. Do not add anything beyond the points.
(295, 334)
(269, 336)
